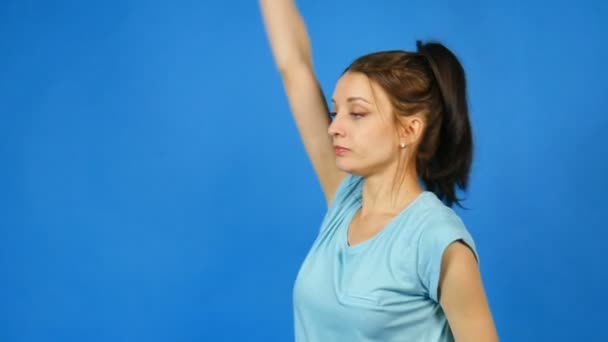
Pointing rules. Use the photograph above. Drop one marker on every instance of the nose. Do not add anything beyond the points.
(335, 127)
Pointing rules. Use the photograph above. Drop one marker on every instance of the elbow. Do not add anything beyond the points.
(293, 63)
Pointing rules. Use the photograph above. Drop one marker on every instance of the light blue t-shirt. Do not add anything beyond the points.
(382, 289)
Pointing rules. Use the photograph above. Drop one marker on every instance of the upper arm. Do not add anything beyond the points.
(290, 44)
(310, 113)
(462, 296)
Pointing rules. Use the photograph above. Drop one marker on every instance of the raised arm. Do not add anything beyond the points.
(291, 50)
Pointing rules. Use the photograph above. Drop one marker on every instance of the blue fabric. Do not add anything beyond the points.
(382, 289)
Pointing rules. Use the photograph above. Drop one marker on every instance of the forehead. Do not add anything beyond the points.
(353, 84)
(356, 84)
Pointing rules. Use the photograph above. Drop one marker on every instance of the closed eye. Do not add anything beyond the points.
(332, 115)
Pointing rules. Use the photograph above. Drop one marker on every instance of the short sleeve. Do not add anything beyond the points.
(440, 232)
(348, 190)
(344, 191)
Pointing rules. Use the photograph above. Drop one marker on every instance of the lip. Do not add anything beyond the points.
(340, 150)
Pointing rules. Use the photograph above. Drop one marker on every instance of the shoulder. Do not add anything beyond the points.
(348, 192)
(350, 187)
(434, 216)
(439, 226)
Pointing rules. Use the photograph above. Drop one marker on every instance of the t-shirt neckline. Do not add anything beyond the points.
(356, 206)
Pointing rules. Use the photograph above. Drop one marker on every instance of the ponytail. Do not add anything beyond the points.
(449, 166)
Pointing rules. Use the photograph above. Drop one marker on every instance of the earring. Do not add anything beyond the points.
(402, 145)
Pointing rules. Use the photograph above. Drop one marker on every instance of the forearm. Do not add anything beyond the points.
(287, 34)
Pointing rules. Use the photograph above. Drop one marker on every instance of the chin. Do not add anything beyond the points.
(345, 167)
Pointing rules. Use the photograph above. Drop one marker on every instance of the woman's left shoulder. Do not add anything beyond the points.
(434, 213)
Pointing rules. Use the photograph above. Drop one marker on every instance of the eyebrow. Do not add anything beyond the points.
(354, 98)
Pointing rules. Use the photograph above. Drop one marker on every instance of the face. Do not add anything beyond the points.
(363, 123)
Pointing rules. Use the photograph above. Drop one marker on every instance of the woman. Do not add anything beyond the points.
(392, 261)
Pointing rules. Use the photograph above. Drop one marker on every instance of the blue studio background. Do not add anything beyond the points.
(153, 186)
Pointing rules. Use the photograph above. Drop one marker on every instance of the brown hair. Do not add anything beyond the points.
(431, 82)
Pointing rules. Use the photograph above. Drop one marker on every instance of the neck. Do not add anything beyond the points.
(387, 195)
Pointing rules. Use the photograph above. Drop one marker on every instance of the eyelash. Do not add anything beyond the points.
(332, 115)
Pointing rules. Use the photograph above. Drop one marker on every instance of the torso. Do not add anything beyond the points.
(353, 293)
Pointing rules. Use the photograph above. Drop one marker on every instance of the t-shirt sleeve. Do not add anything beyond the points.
(440, 232)
(345, 188)
(341, 197)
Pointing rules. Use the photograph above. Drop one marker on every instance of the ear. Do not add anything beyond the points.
(410, 129)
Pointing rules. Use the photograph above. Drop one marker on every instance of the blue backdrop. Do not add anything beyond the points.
(154, 188)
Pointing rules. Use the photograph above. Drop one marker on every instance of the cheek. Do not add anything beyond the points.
(377, 146)
(384, 136)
